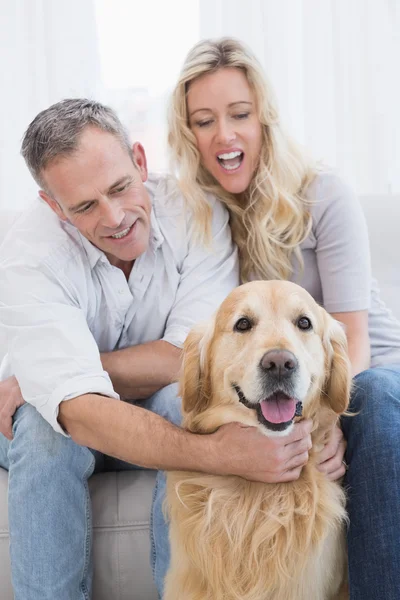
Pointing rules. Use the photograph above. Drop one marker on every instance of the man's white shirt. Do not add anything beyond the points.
(62, 302)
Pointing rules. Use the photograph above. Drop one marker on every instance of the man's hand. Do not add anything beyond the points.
(331, 459)
(10, 399)
(246, 452)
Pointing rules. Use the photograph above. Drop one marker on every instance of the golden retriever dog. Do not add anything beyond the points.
(270, 356)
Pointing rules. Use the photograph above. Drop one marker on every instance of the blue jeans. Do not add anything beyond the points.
(49, 503)
(373, 485)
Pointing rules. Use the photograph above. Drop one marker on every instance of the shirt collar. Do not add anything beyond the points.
(156, 237)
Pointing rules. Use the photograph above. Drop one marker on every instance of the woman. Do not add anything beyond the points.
(294, 220)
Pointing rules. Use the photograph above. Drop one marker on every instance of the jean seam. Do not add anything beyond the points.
(89, 529)
(152, 540)
(119, 584)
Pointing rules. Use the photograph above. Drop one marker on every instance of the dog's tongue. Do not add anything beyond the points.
(279, 408)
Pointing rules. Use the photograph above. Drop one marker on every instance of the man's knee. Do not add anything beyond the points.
(28, 423)
(35, 440)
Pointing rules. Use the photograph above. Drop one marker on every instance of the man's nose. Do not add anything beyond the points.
(112, 214)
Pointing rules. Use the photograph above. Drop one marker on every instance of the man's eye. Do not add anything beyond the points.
(84, 209)
(243, 324)
(120, 189)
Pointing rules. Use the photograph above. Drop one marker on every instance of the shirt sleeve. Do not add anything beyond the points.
(342, 246)
(51, 350)
(208, 274)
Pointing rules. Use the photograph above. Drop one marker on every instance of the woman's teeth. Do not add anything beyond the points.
(121, 234)
(230, 160)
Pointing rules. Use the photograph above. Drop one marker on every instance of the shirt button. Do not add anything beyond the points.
(121, 291)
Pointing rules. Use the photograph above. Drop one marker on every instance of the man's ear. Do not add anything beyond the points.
(55, 207)
(140, 160)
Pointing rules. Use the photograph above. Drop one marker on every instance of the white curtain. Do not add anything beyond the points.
(142, 46)
(48, 51)
(334, 65)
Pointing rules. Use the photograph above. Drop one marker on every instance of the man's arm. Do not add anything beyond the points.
(140, 371)
(139, 436)
(51, 352)
(207, 275)
(136, 373)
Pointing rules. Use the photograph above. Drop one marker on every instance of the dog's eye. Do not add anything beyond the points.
(304, 323)
(243, 325)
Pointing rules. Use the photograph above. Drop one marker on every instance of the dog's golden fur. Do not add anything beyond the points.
(233, 539)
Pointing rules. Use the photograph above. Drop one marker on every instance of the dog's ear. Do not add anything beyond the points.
(195, 382)
(337, 384)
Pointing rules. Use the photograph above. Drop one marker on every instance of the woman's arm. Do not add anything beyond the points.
(356, 327)
(342, 251)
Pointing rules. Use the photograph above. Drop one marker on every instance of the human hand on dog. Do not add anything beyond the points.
(331, 459)
(10, 399)
(257, 457)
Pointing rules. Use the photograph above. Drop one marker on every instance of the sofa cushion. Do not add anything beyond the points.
(121, 540)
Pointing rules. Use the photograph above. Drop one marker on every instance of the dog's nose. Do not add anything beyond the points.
(278, 362)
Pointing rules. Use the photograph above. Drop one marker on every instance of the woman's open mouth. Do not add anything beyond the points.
(230, 161)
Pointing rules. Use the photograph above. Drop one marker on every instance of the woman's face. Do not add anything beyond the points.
(223, 117)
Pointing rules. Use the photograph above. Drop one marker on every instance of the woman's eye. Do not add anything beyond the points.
(243, 324)
(304, 323)
(241, 116)
(204, 123)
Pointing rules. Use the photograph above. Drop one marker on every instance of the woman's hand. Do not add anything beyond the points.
(331, 459)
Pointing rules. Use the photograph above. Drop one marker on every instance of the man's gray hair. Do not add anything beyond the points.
(55, 132)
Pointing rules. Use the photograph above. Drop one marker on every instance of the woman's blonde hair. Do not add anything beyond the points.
(271, 218)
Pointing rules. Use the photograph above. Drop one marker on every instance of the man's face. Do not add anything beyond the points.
(100, 191)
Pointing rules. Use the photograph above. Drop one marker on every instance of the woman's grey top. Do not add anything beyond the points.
(337, 264)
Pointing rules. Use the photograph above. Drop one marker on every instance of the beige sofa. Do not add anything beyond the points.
(121, 501)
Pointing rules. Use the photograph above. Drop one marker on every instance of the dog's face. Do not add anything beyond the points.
(269, 355)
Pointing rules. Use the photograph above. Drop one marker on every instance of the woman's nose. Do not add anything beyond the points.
(225, 132)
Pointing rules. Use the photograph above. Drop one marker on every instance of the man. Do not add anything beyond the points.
(99, 286)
